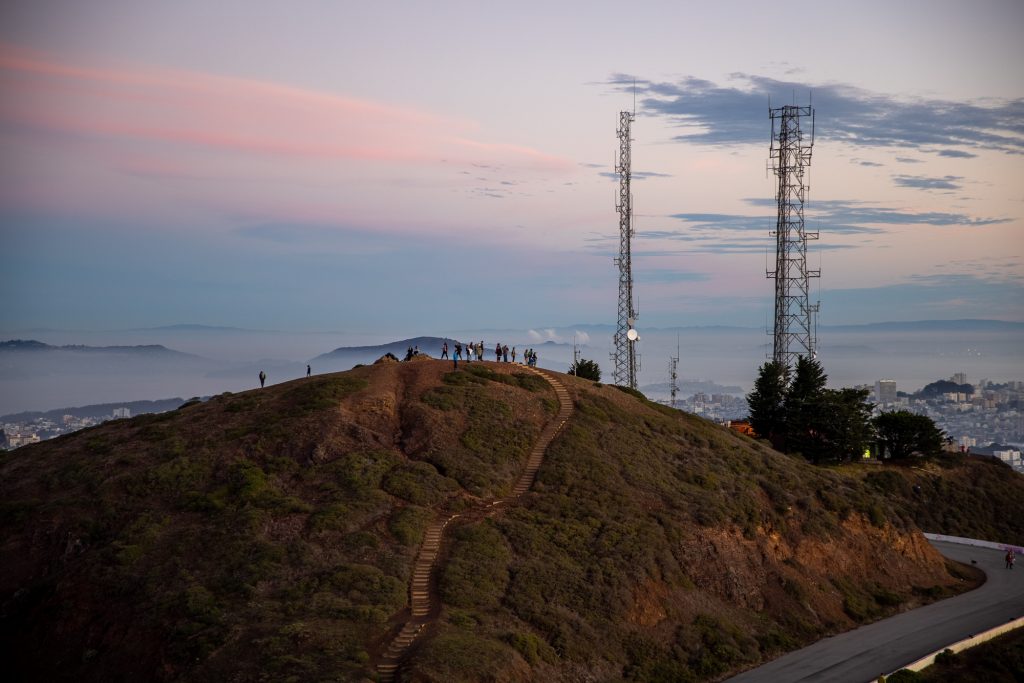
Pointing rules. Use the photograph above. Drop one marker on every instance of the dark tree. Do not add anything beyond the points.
(587, 369)
(845, 428)
(767, 403)
(804, 416)
(903, 434)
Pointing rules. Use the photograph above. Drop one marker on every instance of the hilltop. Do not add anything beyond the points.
(270, 534)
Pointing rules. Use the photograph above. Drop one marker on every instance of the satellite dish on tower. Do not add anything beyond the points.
(632, 335)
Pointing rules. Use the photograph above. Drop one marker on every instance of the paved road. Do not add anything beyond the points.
(860, 655)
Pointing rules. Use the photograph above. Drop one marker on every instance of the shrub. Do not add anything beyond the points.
(587, 369)
(476, 574)
(408, 523)
(418, 483)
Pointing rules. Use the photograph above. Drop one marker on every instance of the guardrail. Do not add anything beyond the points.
(975, 542)
(964, 644)
(978, 638)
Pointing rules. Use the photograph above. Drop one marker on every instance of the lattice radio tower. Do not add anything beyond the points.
(625, 358)
(794, 313)
(673, 386)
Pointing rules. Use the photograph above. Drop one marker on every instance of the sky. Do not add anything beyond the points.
(413, 167)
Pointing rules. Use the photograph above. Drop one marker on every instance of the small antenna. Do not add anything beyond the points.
(634, 96)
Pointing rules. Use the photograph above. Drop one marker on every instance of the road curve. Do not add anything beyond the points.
(860, 655)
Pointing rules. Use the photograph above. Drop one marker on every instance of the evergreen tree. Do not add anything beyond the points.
(845, 425)
(587, 369)
(903, 433)
(767, 403)
(805, 411)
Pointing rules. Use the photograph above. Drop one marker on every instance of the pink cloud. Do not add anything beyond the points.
(238, 116)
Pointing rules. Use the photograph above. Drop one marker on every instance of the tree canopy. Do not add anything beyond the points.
(587, 369)
(903, 434)
(802, 416)
(767, 403)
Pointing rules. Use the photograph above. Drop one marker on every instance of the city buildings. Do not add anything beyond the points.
(885, 392)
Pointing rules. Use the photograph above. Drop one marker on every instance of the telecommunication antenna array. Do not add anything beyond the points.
(794, 313)
(674, 375)
(625, 358)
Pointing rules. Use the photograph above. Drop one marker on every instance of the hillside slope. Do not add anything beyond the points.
(657, 546)
(270, 534)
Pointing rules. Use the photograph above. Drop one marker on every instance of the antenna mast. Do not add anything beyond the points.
(790, 154)
(625, 357)
(674, 376)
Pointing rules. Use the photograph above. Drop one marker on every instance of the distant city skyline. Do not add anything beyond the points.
(379, 168)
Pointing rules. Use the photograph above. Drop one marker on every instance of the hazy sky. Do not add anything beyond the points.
(420, 167)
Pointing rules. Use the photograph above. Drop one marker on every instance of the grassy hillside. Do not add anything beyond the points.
(269, 535)
(657, 546)
(258, 536)
(975, 497)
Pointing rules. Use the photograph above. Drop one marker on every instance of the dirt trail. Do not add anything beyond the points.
(424, 604)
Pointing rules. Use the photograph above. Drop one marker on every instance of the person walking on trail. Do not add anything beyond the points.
(513, 354)
(444, 351)
(504, 352)
(455, 356)
(480, 350)
(263, 378)
(469, 353)
(497, 352)
(309, 370)
(1010, 558)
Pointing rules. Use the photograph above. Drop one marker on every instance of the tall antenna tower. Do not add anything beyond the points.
(674, 375)
(625, 357)
(794, 313)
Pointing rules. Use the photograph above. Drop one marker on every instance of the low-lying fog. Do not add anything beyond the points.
(214, 360)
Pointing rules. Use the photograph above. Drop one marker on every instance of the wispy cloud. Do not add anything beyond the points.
(735, 113)
(955, 154)
(143, 105)
(636, 175)
(727, 233)
(949, 182)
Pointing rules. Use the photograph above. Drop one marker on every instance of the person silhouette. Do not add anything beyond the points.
(263, 378)
(309, 370)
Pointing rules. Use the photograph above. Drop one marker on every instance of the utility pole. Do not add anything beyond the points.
(795, 315)
(625, 358)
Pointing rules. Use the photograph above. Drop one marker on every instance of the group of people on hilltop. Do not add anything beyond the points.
(501, 353)
(412, 351)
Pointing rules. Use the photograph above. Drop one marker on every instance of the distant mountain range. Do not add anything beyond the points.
(33, 346)
(966, 325)
(343, 358)
(97, 410)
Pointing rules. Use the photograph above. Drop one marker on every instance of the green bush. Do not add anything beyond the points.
(407, 524)
(418, 483)
(460, 657)
(476, 573)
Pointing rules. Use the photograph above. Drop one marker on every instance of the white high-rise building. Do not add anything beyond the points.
(122, 413)
(885, 391)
